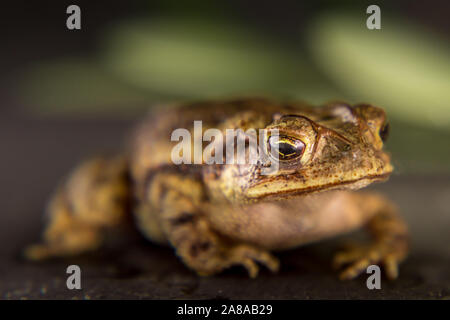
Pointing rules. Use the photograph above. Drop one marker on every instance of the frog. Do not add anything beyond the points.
(216, 216)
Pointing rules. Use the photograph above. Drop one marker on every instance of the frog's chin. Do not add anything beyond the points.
(256, 193)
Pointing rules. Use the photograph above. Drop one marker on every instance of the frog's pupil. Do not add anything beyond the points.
(288, 148)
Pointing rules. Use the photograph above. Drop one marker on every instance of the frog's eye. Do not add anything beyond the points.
(288, 147)
(384, 132)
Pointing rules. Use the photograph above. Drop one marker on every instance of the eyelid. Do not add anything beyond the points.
(288, 141)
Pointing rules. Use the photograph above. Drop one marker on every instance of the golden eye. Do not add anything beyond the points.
(288, 148)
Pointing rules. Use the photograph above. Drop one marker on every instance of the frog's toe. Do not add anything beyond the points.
(359, 258)
(251, 266)
(391, 263)
(345, 257)
(37, 252)
(266, 259)
(248, 256)
(355, 269)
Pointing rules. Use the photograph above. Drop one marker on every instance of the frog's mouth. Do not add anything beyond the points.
(260, 193)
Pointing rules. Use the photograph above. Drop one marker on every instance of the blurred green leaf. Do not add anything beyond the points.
(400, 67)
(194, 58)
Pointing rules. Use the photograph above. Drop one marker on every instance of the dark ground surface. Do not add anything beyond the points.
(36, 154)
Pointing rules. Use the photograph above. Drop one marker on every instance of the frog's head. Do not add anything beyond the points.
(333, 147)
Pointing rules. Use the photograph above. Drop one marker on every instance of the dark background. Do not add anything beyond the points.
(65, 95)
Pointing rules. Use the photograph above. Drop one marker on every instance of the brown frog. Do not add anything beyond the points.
(220, 215)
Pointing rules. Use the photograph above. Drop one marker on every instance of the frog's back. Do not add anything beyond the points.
(151, 145)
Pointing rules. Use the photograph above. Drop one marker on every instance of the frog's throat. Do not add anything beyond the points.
(345, 185)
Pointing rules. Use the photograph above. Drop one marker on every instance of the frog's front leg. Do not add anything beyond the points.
(390, 239)
(203, 249)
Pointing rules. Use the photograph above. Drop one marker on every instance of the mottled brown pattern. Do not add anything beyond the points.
(216, 216)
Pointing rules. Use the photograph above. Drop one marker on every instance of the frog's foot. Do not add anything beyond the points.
(208, 253)
(70, 243)
(357, 258)
(245, 255)
(92, 201)
(390, 241)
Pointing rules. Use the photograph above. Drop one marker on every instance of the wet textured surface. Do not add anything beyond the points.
(36, 154)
